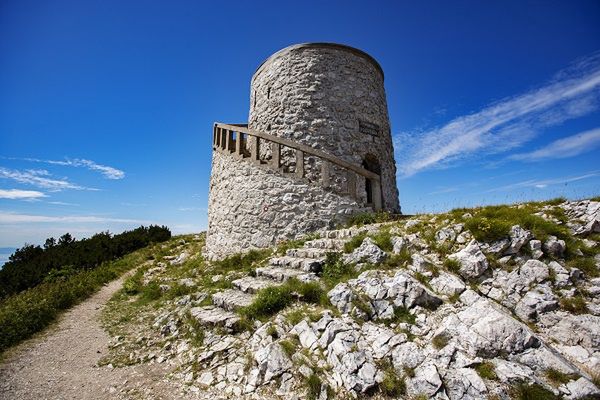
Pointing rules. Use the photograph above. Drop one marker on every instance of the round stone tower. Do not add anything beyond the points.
(317, 148)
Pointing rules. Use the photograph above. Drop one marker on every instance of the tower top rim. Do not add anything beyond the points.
(319, 45)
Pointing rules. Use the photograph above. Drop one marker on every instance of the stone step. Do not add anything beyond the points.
(329, 244)
(305, 264)
(250, 284)
(308, 252)
(232, 299)
(214, 316)
(280, 274)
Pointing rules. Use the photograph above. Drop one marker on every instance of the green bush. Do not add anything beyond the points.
(486, 370)
(335, 270)
(558, 378)
(452, 265)
(523, 391)
(268, 301)
(575, 304)
(313, 387)
(585, 264)
(383, 239)
(401, 314)
(392, 384)
(354, 243)
(240, 261)
(289, 346)
(440, 341)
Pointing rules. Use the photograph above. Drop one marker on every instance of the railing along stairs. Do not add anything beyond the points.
(242, 142)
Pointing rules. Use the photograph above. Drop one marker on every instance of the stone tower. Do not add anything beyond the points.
(317, 149)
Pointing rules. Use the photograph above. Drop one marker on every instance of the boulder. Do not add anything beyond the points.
(535, 302)
(447, 284)
(554, 246)
(472, 261)
(464, 384)
(272, 361)
(518, 238)
(367, 252)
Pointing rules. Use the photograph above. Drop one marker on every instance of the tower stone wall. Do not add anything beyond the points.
(329, 97)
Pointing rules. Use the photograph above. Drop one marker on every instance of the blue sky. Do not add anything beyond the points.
(106, 107)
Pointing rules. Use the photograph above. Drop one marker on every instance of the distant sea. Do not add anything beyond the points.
(5, 252)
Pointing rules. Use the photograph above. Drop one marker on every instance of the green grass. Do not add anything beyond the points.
(575, 304)
(289, 346)
(195, 330)
(354, 243)
(240, 262)
(313, 387)
(486, 370)
(401, 314)
(32, 310)
(452, 265)
(585, 264)
(271, 300)
(492, 223)
(335, 270)
(557, 378)
(383, 239)
(392, 384)
(440, 341)
(523, 391)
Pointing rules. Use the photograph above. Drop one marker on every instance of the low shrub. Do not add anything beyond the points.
(354, 243)
(289, 346)
(313, 387)
(523, 391)
(392, 384)
(335, 270)
(575, 304)
(557, 377)
(383, 239)
(268, 301)
(585, 264)
(486, 370)
(240, 261)
(440, 341)
(401, 314)
(452, 265)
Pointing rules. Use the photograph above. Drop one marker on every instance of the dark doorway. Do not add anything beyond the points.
(371, 163)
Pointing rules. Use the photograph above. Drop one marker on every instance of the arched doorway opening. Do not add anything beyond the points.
(371, 163)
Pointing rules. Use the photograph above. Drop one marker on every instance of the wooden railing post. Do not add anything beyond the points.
(376, 187)
(351, 183)
(299, 163)
(238, 145)
(325, 178)
(276, 155)
(255, 149)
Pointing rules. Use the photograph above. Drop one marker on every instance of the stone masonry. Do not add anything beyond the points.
(329, 97)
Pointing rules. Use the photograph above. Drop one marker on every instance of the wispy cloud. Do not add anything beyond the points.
(543, 183)
(563, 148)
(192, 209)
(63, 203)
(445, 190)
(15, 218)
(39, 178)
(16, 194)
(504, 125)
(105, 170)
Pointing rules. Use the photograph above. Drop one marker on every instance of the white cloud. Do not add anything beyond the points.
(563, 148)
(14, 218)
(192, 209)
(108, 172)
(543, 183)
(62, 203)
(16, 194)
(39, 178)
(503, 125)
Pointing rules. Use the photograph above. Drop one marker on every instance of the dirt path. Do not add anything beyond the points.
(61, 363)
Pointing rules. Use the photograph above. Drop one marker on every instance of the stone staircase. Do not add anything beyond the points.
(303, 263)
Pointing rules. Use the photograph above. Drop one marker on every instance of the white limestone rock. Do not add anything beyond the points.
(464, 384)
(447, 284)
(367, 252)
(472, 261)
(272, 361)
(554, 246)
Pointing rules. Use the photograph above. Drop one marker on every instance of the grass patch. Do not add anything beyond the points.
(313, 387)
(492, 223)
(240, 262)
(440, 341)
(354, 243)
(195, 330)
(273, 299)
(557, 377)
(289, 346)
(392, 384)
(452, 265)
(585, 264)
(335, 270)
(383, 239)
(575, 304)
(523, 391)
(486, 370)
(401, 315)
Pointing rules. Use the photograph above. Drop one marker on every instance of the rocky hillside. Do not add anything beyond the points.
(495, 302)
